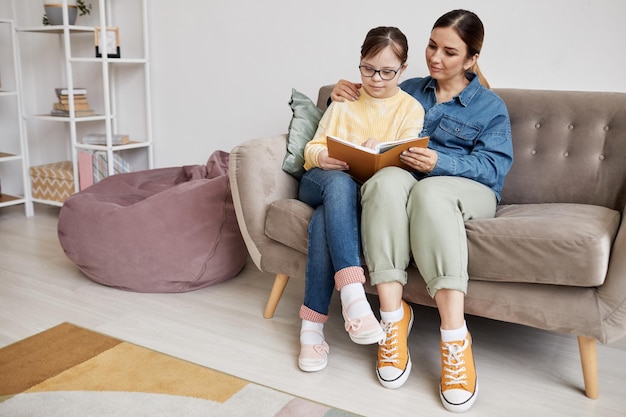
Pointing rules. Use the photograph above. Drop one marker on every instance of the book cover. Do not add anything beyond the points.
(364, 162)
(85, 169)
(101, 139)
(77, 113)
(66, 107)
(77, 99)
(101, 167)
(61, 91)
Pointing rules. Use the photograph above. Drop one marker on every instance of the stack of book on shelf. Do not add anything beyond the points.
(101, 139)
(62, 107)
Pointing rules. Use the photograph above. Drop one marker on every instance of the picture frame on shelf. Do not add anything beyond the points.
(107, 42)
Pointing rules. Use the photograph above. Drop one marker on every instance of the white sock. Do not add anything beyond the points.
(455, 334)
(350, 293)
(392, 316)
(311, 333)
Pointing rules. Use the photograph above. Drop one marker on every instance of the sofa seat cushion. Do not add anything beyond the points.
(567, 244)
(560, 244)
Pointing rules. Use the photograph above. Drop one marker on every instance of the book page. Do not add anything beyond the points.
(385, 146)
(353, 145)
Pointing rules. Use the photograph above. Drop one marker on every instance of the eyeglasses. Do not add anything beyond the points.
(385, 74)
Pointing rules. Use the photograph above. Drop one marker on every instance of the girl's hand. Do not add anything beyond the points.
(420, 159)
(370, 143)
(328, 163)
(345, 90)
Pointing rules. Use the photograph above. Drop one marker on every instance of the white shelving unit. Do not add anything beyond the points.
(118, 89)
(14, 181)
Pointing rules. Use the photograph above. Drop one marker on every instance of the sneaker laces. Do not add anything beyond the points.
(388, 352)
(453, 361)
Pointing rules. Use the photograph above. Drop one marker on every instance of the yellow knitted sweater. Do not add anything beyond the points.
(398, 117)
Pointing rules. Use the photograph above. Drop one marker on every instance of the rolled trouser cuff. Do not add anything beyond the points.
(311, 315)
(349, 275)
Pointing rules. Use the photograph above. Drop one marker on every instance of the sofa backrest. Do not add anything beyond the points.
(569, 146)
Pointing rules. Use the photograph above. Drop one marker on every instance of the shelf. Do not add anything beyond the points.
(130, 145)
(47, 202)
(13, 138)
(55, 29)
(67, 119)
(120, 87)
(7, 200)
(110, 60)
(9, 157)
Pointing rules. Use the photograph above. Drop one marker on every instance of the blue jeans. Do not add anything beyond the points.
(334, 232)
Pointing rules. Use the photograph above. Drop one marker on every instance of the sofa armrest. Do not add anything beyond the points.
(256, 180)
(612, 294)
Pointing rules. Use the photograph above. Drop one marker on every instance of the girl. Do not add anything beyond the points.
(384, 113)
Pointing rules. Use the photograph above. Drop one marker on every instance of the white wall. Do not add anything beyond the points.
(222, 71)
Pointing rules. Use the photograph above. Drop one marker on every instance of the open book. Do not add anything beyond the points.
(364, 162)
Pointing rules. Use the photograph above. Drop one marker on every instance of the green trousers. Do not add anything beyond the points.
(403, 217)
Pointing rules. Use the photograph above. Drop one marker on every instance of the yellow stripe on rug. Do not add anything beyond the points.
(127, 367)
(67, 370)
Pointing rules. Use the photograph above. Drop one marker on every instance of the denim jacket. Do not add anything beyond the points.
(471, 133)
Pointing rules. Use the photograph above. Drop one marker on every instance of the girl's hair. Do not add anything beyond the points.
(471, 31)
(379, 38)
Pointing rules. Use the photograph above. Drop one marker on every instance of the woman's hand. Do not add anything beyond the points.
(345, 90)
(328, 163)
(420, 159)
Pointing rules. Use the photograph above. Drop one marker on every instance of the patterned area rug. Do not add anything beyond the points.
(69, 371)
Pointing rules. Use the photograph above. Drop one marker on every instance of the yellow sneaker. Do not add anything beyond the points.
(394, 361)
(459, 386)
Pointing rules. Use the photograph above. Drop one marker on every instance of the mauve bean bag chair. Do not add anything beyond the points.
(159, 230)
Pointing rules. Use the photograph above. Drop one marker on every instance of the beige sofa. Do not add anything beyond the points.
(554, 257)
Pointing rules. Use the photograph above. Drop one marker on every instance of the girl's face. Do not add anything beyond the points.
(386, 62)
(446, 55)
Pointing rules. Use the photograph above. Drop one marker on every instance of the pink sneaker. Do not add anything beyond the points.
(363, 330)
(313, 357)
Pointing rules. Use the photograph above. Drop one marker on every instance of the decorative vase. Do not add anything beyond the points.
(54, 11)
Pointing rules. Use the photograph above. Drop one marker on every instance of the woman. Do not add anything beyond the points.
(384, 113)
(422, 213)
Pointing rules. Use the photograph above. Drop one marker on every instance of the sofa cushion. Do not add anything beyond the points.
(306, 117)
(568, 244)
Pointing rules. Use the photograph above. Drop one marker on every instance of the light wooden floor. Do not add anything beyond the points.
(522, 371)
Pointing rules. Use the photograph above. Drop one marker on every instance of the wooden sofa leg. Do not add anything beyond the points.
(280, 282)
(589, 358)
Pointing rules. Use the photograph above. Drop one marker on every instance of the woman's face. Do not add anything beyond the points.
(446, 55)
(375, 86)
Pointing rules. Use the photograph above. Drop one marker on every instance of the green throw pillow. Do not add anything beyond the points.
(306, 117)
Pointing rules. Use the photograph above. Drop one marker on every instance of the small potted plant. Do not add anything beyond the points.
(54, 11)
